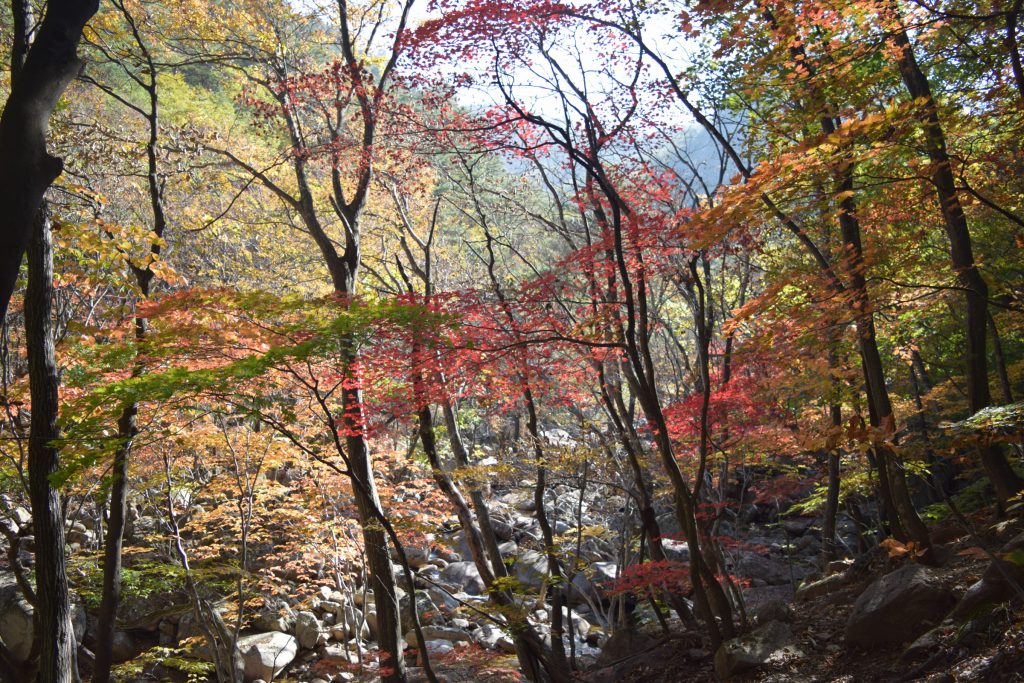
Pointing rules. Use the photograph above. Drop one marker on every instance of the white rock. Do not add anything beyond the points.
(265, 655)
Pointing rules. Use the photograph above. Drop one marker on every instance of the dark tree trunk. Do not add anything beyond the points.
(835, 411)
(1004, 480)
(53, 606)
(26, 169)
(1000, 362)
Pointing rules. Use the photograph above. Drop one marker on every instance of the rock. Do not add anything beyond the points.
(531, 569)
(588, 585)
(464, 576)
(425, 609)
(770, 643)
(993, 586)
(925, 644)
(625, 643)
(122, 647)
(898, 607)
(494, 638)
(307, 629)
(453, 635)
(677, 551)
(15, 618)
(275, 615)
(774, 610)
(826, 586)
(774, 572)
(265, 655)
(371, 620)
(417, 556)
(797, 526)
(439, 647)
(351, 620)
(338, 655)
(21, 517)
(526, 505)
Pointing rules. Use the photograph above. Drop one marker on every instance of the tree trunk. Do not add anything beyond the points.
(1000, 362)
(53, 605)
(382, 575)
(26, 169)
(1004, 480)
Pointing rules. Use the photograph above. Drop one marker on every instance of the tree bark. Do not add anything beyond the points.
(53, 605)
(1004, 480)
(26, 169)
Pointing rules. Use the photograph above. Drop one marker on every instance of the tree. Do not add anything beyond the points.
(43, 68)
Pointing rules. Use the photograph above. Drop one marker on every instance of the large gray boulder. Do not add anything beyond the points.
(493, 637)
(588, 585)
(767, 644)
(15, 619)
(275, 615)
(307, 630)
(531, 569)
(426, 610)
(265, 655)
(448, 633)
(898, 607)
(464, 576)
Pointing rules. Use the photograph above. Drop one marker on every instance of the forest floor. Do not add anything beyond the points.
(987, 648)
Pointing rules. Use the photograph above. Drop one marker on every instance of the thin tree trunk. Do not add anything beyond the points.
(126, 425)
(1004, 480)
(1000, 361)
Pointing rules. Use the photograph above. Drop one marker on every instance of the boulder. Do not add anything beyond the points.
(464, 576)
(492, 637)
(425, 609)
(770, 643)
(307, 630)
(763, 567)
(826, 586)
(265, 655)
(15, 619)
(123, 647)
(774, 610)
(16, 616)
(898, 607)
(588, 585)
(453, 635)
(439, 647)
(677, 551)
(275, 615)
(531, 569)
(994, 586)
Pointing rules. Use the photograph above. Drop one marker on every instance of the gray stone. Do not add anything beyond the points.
(265, 655)
(307, 629)
(531, 569)
(588, 586)
(453, 635)
(898, 607)
(770, 643)
(15, 619)
(275, 615)
(425, 609)
(464, 576)
(439, 647)
(774, 610)
(122, 647)
(21, 517)
(494, 638)
(826, 586)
